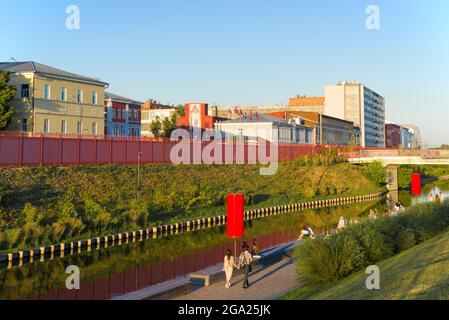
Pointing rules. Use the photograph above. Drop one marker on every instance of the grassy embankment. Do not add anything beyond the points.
(417, 244)
(41, 206)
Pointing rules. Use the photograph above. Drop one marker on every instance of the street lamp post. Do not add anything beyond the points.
(139, 155)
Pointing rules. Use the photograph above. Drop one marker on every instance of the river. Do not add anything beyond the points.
(120, 269)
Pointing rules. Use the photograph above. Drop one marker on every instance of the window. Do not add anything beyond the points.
(94, 128)
(79, 127)
(24, 125)
(47, 92)
(25, 91)
(94, 97)
(63, 126)
(63, 94)
(79, 96)
(46, 126)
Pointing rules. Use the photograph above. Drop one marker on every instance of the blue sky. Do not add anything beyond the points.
(246, 52)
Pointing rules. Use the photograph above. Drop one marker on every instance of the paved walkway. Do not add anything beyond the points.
(265, 284)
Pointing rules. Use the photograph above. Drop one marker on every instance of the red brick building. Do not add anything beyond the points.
(196, 118)
(392, 135)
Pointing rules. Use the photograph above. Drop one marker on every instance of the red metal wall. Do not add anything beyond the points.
(21, 151)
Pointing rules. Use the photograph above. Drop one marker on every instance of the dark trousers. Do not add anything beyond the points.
(245, 278)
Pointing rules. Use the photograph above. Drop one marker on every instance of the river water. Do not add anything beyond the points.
(120, 269)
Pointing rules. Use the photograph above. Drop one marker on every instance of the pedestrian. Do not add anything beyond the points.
(342, 223)
(255, 250)
(437, 198)
(228, 267)
(245, 264)
(306, 233)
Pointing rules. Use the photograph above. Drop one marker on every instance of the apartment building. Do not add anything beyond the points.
(357, 103)
(54, 101)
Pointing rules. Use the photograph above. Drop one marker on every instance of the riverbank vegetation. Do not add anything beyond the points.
(41, 206)
(323, 264)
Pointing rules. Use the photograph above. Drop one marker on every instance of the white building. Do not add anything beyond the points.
(266, 127)
(365, 108)
(152, 111)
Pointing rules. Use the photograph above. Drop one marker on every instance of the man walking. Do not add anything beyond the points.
(245, 264)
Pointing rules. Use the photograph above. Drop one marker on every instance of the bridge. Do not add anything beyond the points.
(393, 159)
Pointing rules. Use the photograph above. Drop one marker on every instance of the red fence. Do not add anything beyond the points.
(141, 277)
(22, 151)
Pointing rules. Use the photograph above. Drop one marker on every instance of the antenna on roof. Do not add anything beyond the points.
(13, 59)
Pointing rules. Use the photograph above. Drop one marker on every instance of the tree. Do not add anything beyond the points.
(169, 125)
(181, 110)
(156, 127)
(7, 92)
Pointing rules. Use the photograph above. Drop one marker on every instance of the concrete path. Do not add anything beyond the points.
(268, 283)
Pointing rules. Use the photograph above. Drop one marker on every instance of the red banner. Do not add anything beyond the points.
(416, 184)
(235, 219)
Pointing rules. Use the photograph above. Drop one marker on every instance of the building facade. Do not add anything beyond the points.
(196, 119)
(392, 135)
(153, 111)
(53, 101)
(122, 116)
(307, 104)
(365, 108)
(334, 131)
(266, 127)
(414, 136)
(407, 138)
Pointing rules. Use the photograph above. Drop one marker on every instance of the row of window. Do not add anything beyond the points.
(122, 132)
(120, 114)
(25, 93)
(63, 127)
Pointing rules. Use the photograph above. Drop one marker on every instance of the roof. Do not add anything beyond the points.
(262, 118)
(117, 98)
(38, 68)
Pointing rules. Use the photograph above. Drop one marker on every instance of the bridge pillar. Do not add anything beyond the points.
(392, 178)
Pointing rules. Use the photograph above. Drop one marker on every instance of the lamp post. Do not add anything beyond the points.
(139, 155)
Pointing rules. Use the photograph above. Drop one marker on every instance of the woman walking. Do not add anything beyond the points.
(228, 267)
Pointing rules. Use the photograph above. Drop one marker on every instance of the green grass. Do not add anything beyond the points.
(418, 273)
(40, 206)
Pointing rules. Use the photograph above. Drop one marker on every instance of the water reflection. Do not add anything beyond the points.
(428, 194)
(117, 270)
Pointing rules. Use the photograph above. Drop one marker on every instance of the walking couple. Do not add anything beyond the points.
(244, 263)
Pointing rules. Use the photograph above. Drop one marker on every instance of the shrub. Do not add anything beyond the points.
(405, 240)
(96, 217)
(374, 243)
(324, 261)
(375, 172)
(359, 245)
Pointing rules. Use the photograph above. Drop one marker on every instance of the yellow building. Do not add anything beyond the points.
(54, 101)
